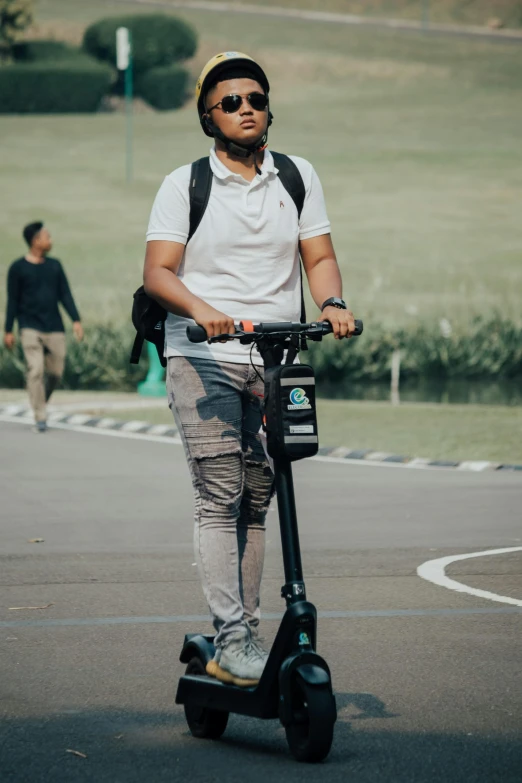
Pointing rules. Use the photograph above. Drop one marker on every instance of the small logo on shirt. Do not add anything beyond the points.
(281, 205)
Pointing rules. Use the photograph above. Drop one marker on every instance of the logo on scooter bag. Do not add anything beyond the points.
(298, 400)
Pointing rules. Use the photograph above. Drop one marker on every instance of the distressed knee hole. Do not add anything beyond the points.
(258, 491)
(219, 479)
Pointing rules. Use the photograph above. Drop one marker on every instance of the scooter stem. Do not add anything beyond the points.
(294, 589)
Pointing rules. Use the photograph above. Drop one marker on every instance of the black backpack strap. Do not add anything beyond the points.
(291, 178)
(199, 192)
(136, 349)
(292, 181)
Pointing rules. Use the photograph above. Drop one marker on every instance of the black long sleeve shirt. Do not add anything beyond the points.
(33, 294)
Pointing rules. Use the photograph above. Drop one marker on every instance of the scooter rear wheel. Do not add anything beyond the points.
(310, 733)
(202, 722)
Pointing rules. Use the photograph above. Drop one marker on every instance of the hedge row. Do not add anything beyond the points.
(77, 83)
(44, 51)
(487, 349)
(53, 87)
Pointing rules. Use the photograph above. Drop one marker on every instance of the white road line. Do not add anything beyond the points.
(434, 571)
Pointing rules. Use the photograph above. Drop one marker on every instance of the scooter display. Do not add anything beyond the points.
(296, 685)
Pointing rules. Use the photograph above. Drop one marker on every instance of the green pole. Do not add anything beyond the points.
(128, 114)
(154, 383)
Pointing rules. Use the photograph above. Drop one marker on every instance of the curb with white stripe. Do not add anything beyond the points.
(83, 421)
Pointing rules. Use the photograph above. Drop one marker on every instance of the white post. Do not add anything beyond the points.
(395, 377)
(124, 63)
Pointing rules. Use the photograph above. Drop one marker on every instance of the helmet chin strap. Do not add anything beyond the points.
(240, 150)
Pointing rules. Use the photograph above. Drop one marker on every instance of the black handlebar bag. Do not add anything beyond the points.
(290, 417)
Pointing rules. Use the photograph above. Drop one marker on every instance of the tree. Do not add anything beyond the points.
(15, 17)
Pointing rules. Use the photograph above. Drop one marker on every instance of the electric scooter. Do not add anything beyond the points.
(295, 686)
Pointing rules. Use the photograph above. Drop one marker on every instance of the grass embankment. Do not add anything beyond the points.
(438, 431)
(416, 140)
(455, 432)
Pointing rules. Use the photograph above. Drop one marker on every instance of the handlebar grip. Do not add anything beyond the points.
(358, 327)
(196, 333)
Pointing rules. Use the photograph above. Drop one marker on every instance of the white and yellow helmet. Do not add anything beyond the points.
(211, 71)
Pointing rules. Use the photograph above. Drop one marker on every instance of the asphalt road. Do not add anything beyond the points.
(428, 680)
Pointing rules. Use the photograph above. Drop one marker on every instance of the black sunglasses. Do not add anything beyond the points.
(232, 103)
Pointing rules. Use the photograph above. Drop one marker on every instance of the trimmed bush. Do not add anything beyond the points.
(157, 40)
(163, 88)
(53, 87)
(32, 51)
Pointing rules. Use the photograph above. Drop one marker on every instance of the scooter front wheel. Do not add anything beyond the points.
(202, 722)
(310, 732)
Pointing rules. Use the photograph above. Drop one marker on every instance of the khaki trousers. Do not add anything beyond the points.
(45, 356)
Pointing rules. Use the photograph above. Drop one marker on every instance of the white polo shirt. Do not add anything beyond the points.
(244, 257)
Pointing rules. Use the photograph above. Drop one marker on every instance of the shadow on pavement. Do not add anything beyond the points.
(152, 747)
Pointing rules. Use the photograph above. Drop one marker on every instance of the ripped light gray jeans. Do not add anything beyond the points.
(217, 411)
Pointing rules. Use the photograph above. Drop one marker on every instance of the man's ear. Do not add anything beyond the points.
(208, 122)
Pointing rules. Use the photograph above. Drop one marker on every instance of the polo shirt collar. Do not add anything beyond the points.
(223, 172)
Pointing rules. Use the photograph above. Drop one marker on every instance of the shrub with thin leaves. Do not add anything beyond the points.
(487, 349)
(15, 17)
(101, 361)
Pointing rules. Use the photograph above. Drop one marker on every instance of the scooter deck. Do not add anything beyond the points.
(261, 701)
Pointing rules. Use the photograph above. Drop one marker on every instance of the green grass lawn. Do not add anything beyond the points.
(416, 140)
(456, 432)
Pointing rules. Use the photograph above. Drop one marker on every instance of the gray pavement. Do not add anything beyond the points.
(429, 689)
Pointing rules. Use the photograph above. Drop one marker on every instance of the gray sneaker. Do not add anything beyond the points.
(257, 643)
(40, 426)
(240, 662)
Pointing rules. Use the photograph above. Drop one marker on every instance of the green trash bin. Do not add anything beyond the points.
(154, 383)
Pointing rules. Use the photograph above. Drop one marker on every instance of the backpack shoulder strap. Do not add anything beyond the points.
(199, 192)
(291, 178)
(292, 182)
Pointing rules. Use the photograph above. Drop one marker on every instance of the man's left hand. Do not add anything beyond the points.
(78, 331)
(343, 322)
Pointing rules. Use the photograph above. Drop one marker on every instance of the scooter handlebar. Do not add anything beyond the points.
(197, 334)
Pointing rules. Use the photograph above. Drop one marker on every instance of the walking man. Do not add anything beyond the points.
(242, 262)
(36, 284)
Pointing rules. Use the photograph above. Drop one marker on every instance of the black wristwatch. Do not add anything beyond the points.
(333, 301)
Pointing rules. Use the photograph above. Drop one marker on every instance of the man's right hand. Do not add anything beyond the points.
(212, 320)
(9, 340)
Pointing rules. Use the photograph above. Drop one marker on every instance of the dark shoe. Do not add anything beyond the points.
(40, 426)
